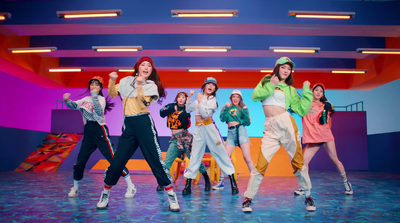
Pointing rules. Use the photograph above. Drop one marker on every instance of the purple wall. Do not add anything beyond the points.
(384, 152)
(350, 132)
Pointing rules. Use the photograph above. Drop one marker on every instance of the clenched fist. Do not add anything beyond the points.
(113, 76)
(66, 96)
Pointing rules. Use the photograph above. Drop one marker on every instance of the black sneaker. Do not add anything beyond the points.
(160, 188)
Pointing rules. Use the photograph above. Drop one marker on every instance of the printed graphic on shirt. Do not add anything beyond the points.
(87, 105)
(233, 112)
(173, 121)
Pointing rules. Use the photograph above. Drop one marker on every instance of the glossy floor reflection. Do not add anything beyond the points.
(42, 197)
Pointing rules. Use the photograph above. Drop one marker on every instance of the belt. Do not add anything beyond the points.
(204, 123)
(235, 126)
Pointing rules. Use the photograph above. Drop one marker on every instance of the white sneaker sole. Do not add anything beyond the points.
(349, 192)
(130, 195)
(72, 195)
(247, 209)
(102, 208)
(176, 209)
(311, 208)
(217, 188)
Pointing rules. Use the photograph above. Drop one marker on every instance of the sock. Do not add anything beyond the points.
(221, 178)
(129, 181)
(107, 188)
(346, 185)
(343, 175)
(76, 184)
(169, 189)
(308, 193)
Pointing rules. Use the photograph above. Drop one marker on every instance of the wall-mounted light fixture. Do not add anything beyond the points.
(205, 70)
(125, 70)
(5, 15)
(279, 49)
(205, 48)
(89, 13)
(117, 48)
(204, 13)
(321, 14)
(343, 71)
(378, 51)
(52, 70)
(32, 50)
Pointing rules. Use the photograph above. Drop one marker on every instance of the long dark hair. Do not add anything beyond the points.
(289, 80)
(323, 99)
(154, 76)
(109, 104)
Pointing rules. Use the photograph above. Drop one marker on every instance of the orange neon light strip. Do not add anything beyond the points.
(380, 52)
(90, 15)
(126, 70)
(348, 72)
(65, 70)
(204, 50)
(116, 50)
(32, 51)
(292, 51)
(205, 70)
(205, 14)
(324, 16)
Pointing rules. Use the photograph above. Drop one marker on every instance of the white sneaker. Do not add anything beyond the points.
(310, 206)
(219, 185)
(299, 192)
(173, 202)
(246, 206)
(103, 202)
(348, 188)
(73, 192)
(130, 192)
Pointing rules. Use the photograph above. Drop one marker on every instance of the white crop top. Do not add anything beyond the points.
(277, 99)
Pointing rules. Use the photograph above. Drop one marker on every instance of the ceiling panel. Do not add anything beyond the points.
(260, 25)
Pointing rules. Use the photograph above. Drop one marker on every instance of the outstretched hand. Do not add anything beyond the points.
(306, 83)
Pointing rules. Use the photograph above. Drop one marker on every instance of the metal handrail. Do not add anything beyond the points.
(62, 104)
(350, 107)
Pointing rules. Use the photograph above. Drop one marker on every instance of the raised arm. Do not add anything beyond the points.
(264, 89)
(112, 87)
(301, 105)
(70, 104)
(189, 103)
(98, 107)
(207, 108)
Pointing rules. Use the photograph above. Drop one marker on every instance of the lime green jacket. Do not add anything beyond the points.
(299, 105)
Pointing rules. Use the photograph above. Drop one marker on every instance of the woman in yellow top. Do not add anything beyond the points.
(138, 92)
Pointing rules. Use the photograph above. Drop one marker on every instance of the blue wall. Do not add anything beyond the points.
(16, 145)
